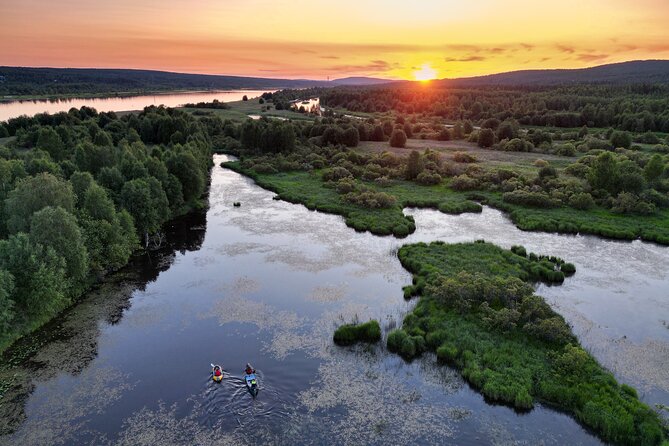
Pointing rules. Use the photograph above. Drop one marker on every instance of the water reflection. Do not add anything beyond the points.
(69, 344)
(311, 106)
(268, 286)
(31, 107)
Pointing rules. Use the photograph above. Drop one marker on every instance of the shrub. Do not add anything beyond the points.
(346, 185)
(428, 178)
(628, 203)
(336, 173)
(349, 334)
(582, 200)
(486, 138)
(444, 135)
(398, 138)
(540, 163)
(350, 137)
(464, 183)
(547, 172)
(372, 200)
(464, 157)
(517, 145)
(567, 149)
(621, 139)
(264, 168)
(527, 198)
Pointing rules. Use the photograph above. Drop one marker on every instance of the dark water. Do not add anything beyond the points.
(31, 107)
(267, 283)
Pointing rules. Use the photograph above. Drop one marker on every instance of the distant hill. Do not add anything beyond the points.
(54, 81)
(361, 81)
(15, 81)
(634, 72)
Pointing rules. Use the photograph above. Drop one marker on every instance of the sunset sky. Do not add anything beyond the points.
(337, 38)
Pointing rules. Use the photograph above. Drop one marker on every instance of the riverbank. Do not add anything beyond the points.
(308, 188)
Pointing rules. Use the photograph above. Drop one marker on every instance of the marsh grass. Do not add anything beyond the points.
(508, 343)
(309, 189)
(350, 334)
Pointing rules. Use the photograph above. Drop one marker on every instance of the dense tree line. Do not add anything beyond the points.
(79, 192)
(630, 108)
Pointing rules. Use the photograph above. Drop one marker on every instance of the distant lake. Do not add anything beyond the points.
(31, 107)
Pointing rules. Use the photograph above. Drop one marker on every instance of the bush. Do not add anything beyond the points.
(350, 137)
(428, 178)
(336, 173)
(444, 135)
(527, 198)
(628, 203)
(349, 334)
(582, 200)
(398, 138)
(464, 183)
(621, 139)
(567, 149)
(464, 157)
(486, 138)
(517, 145)
(372, 200)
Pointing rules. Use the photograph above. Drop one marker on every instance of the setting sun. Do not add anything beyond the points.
(425, 73)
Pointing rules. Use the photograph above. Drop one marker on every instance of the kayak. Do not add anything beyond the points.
(252, 383)
(217, 379)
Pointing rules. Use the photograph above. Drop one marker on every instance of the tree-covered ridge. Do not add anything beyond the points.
(479, 314)
(80, 192)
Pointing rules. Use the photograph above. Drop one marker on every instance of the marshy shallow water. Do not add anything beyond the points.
(267, 283)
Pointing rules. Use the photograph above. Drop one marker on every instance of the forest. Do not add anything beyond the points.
(81, 191)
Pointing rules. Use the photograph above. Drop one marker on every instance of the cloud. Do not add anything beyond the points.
(591, 57)
(372, 66)
(330, 57)
(565, 48)
(465, 59)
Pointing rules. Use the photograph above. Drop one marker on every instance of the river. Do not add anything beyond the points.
(267, 283)
(31, 107)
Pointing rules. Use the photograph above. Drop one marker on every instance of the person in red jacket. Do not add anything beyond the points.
(249, 369)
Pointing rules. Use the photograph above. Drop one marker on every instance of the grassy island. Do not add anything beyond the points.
(478, 312)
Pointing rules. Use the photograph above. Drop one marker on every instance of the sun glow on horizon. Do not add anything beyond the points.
(428, 39)
(426, 73)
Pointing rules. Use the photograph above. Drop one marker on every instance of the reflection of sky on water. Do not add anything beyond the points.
(269, 285)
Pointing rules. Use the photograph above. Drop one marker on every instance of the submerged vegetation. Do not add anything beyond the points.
(349, 334)
(80, 192)
(478, 313)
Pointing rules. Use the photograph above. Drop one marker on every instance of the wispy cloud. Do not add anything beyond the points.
(591, 57)
(465, 59)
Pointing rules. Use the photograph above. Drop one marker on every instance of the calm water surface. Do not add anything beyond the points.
(267, 283)
(31, 107)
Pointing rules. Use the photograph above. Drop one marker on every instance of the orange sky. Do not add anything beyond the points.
(336, 38)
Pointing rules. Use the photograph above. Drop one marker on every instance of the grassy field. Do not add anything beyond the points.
(476, 315)
(494, 158)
